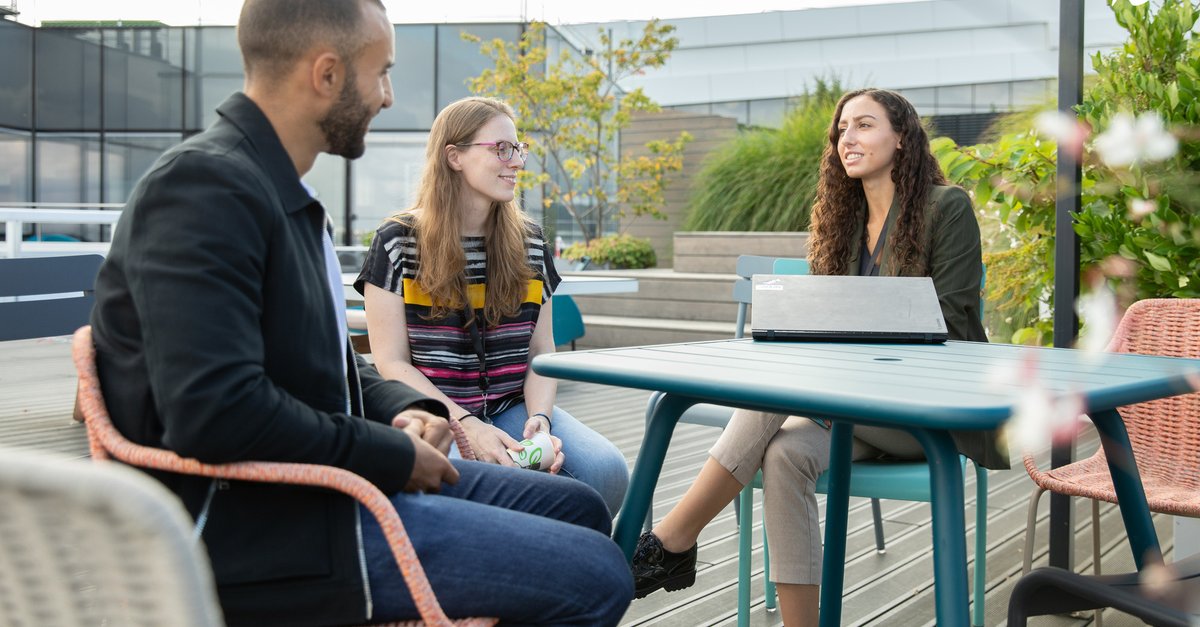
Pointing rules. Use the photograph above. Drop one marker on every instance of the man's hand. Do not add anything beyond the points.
(490, 443)
(431, 467)
(433, 429)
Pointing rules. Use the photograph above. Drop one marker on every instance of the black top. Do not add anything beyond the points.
(215, 339)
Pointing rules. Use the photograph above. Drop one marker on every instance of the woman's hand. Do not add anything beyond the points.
(489, 442)
(537, 424)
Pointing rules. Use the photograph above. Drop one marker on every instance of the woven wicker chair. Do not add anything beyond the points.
(105, 442)
(1165, 433)
(81, 545)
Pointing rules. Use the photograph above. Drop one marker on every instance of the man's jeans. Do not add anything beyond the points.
(524, 546)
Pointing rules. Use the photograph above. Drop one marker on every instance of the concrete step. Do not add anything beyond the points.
(616, 331)
(669, 295)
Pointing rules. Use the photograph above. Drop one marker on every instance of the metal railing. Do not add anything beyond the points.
(16, 215)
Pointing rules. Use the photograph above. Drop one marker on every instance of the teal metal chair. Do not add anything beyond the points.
(901, 481)
(568, 321)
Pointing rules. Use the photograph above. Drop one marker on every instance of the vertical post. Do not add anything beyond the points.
(1066, 252)
(348, 200)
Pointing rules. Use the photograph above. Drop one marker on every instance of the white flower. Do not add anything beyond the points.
(1038, 418)
(1098, 309)
(1066, 130)
(1129, 141)
(1140, 208)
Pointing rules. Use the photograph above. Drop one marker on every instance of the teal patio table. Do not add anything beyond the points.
(927, 390)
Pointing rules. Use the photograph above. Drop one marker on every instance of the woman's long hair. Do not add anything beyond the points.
(841, 203)
(438, 220)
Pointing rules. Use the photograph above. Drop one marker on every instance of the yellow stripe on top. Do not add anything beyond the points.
(414, 295)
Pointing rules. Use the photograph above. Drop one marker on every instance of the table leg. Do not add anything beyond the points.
(646, 470)
(1131, 496)
(837, 503)
(949, 527)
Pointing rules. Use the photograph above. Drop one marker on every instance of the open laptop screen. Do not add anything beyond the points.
(846, 309)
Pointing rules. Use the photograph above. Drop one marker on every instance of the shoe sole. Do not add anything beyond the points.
(671, 584)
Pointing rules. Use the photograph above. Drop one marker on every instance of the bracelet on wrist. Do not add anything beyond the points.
(548, 421)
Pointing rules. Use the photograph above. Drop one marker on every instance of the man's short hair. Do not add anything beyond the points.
(274, 34)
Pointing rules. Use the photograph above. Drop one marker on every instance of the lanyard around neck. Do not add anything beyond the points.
(877, 254)
(472, 318)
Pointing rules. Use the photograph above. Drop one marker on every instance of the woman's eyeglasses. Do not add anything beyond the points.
(504, 149)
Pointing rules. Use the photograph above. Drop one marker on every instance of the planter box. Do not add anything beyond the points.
(717, 251)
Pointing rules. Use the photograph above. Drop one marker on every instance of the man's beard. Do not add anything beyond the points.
(345, 126)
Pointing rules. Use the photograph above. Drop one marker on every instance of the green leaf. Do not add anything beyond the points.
(1162, 264)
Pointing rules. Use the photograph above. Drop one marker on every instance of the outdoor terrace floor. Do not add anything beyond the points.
(37, 384)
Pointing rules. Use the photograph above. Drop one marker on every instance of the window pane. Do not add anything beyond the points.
(458, 60)
(143, 83)
(953, 99)
(1031, 93)
(992, 97)
(736, 110)
(69, 172)
(127, 158)
(216, 72)
(327, 178)
(768, 113)
(386, 178)
(16, 75)
(924, 99)
(14, 176)
(68, 169)
(412, 82)
(692, 108)
(68, 80)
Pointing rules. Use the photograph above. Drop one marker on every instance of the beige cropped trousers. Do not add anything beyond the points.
(792, 452)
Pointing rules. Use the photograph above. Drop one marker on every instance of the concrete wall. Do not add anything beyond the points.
(708, 133)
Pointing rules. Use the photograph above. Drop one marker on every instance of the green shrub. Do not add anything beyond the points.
(766, 179)
(1012, 180)
(617, 251)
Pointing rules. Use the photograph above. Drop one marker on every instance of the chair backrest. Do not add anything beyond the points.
(45, 296)
(568, 321)
(88, 544)
(1165, 433)
(747, 266)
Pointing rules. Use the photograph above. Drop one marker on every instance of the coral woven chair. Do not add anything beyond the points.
(82, 545)
(1165, 434)
(105, 442)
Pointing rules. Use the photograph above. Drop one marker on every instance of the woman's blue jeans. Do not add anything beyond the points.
(587, 455)
(527, 547)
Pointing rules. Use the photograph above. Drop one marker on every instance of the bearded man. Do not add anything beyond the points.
(220, 334)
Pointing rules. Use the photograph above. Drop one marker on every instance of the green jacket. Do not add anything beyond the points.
(954, 256)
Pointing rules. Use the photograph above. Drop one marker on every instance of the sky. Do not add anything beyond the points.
(224, 12)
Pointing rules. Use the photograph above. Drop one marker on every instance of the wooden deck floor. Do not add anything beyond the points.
(896, 588)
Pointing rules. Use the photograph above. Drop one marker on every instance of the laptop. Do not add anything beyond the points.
(846, 309)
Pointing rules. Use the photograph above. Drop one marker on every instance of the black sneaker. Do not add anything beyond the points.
(655, 567)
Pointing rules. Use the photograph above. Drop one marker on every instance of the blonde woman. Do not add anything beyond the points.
(467, 241)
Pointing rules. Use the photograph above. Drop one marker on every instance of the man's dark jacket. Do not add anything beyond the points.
(216, 338)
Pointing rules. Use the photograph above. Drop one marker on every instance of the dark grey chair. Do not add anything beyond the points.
(1047, 591)
(46, 296)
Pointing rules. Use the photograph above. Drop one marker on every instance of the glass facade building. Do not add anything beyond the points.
(84, 112)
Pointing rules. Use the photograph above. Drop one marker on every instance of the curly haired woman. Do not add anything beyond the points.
(883, 208)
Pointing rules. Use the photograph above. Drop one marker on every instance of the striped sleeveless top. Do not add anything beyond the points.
(442, 349)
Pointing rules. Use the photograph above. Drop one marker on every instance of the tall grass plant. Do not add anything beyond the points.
(766, 179)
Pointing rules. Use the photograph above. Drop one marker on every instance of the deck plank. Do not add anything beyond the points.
(37, 384)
